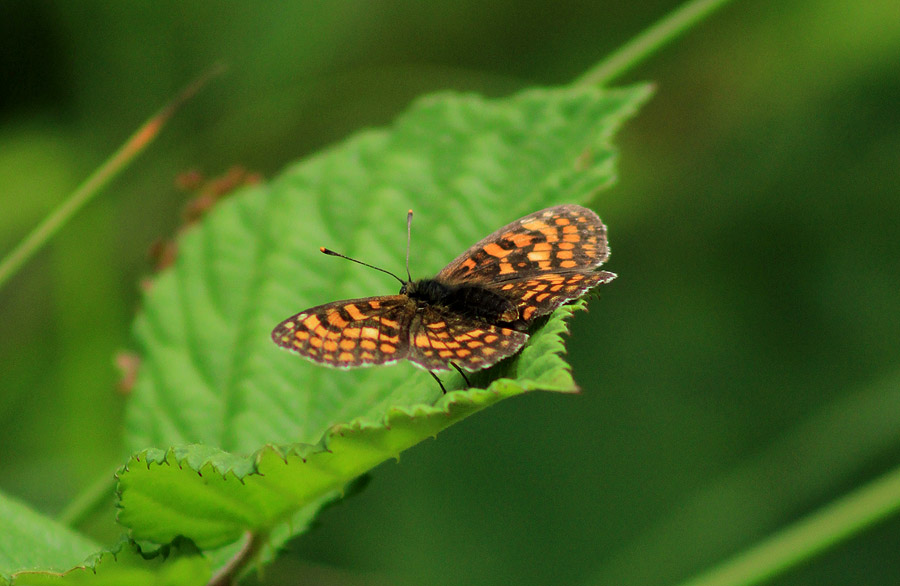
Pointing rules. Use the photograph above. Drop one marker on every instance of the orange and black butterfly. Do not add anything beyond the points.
(474, 312)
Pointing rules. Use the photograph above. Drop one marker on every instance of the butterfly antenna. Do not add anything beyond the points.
(333, 253)
(408, 237)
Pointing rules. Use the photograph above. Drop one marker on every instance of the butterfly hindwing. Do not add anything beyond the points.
(438, 337)
(539, 295)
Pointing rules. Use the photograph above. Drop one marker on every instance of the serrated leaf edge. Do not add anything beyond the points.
(454, 406)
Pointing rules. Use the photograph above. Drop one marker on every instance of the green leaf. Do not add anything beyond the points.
(213, 496)
(212, 376)
(30, 541)
(37, 550)
(125, 568)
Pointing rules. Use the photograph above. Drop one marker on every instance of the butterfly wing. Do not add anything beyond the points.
(558, 239)
(355, 332)
(437, 337)
(539, 295)
(540, 261)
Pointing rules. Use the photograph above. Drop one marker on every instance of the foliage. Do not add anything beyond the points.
(252, 440)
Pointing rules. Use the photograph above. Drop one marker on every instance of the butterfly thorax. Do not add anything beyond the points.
(471, 301)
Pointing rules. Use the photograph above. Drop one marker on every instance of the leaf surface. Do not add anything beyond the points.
(214, 386)
(35, 550)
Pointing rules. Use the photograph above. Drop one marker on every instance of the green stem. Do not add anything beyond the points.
(808, 537)
(132, 147)
(651, 40)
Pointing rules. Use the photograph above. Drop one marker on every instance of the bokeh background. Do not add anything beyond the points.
(742, 372)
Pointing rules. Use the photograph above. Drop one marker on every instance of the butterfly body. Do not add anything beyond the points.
(472, 301)
(475, 311)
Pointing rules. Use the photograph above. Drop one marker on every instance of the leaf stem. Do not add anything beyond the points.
(231, 571)
(120, 159)
(810, 536)
(651, 40)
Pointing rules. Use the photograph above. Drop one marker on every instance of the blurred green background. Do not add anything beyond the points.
(742, 372)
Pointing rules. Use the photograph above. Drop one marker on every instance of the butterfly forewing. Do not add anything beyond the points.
(356, 332)
(561, 238)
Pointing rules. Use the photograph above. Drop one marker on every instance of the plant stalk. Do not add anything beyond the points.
(89, 189)
(638, 49)
(804, 539)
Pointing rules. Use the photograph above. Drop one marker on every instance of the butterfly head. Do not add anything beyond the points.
(428, 290)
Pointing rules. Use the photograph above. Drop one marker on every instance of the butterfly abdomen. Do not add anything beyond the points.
(470, 301)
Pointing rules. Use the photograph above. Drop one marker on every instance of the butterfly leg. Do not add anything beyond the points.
(462, 374)
(435, 377)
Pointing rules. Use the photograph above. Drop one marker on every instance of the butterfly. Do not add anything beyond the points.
(474, 312)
